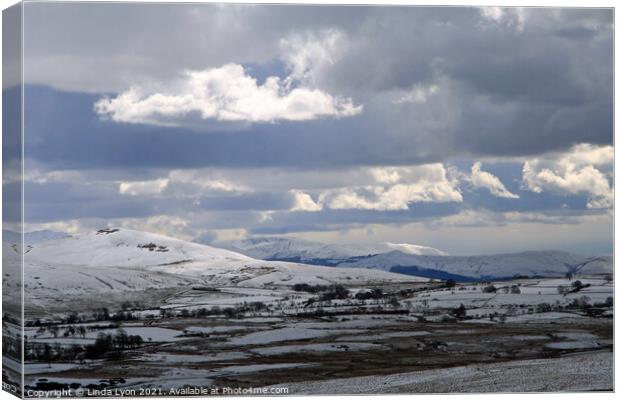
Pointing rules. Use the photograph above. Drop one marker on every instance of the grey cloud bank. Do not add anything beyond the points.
(298, 105)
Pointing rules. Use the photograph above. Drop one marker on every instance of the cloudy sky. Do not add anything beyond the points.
(473, 130)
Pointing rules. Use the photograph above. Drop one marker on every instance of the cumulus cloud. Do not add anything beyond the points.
(224, 94)
(395, 189)
(304, 202)
(483, 179)
(583, 170)
(386, 175)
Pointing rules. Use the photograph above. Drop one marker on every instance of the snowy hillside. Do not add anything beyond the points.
(126, 248)
(422, 261)
(114, 260)
(293, 249)
(498, 266)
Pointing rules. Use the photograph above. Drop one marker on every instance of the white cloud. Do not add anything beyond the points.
(583, 170)
(483, 179)
(181, 183)
(308, 55)
(386, 175)
(511, 17)
(487, 218)
(303, 202)
(224, 94)
(143, 188)
(397, 187)
(193, 181)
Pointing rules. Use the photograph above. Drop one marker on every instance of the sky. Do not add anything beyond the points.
(472, 130)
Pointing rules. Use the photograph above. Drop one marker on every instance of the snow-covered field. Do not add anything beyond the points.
(582, 372)
(207, 316)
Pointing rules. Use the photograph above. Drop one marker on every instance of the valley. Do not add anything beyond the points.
(128, 310)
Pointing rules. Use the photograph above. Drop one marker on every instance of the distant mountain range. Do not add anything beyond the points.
(31, 237)
(424, 261)
(306, 251)
(101, 253)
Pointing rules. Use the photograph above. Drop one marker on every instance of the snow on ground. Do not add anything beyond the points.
(573, 345)
(247, 369)
(169, 358)
(318, 348)
(41, 368)
(579, 372)
(533, 293)
(382, 336)
(497, 266)
(216, 329)
(126, 248)
(283, 248)
(351, 324)
(265, 320)
(127, 260)
(547, 316)
(289, 274)
(44, 280)
(576, 335)
(530, 337)
(279, 335)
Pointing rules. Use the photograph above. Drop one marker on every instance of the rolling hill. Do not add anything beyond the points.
(310, 252)
(424, 261)
(118, 260)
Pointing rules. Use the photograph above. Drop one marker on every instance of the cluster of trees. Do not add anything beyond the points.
(372, 294)
(489, 289)
(129, 305)
(228, 312)
(104, 343)
(460, 312)
(336, 292)
(117, 342)
(304, 287)
(70, 330)
(575, 287)
(44, 352)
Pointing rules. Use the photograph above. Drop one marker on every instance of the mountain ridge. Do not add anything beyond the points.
(532, 263)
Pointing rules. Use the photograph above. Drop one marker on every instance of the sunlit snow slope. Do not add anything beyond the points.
(113, 260)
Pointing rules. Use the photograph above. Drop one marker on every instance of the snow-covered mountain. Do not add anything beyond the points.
(310, 252)
(483, 267)
(114, 260)
(126, 248)
(422, 261)
(33, 237)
